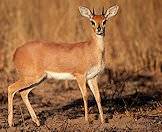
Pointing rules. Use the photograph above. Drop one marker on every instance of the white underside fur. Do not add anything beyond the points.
(68, 76)
(60, 76)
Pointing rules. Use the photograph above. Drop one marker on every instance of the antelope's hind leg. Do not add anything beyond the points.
(15, 87)
(24, 95)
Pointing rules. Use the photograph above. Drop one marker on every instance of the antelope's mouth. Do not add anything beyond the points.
(100, 33)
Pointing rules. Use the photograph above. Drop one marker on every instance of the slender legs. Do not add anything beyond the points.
(29, 82)
(24, 95)
(82, 85)
(11, 92)
(15, 87)
(94, 88)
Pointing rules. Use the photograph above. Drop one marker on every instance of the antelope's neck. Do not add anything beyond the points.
(100, 43)
(99, 40)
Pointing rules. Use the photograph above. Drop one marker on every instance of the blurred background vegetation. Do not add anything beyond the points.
(133, 37)
(133, 44)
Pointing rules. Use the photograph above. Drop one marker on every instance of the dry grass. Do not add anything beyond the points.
(133, 38)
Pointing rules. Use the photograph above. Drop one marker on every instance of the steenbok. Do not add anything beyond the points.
(83, 61)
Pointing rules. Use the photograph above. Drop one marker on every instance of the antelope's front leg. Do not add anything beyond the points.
(82, 85)
(94, 88)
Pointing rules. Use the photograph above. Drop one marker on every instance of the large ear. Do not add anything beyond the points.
(84, 11)
(112, 11)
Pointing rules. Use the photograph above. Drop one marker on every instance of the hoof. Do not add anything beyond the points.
(36, 121)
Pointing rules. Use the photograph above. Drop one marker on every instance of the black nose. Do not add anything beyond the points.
(99, 28)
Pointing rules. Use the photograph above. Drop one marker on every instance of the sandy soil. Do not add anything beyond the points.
(129, 105)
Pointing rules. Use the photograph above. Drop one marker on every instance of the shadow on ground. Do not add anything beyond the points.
(117, 103)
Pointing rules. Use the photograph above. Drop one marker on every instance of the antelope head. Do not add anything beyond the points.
(98, 22)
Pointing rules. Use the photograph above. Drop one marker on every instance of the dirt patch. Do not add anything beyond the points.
(61, 109)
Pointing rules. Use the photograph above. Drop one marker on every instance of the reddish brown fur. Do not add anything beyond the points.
(98, 19)
(34, 60)
(37, 57)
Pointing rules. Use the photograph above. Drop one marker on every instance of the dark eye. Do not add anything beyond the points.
(93, 23)
(104, 22)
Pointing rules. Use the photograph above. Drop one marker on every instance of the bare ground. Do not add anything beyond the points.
(130, 103)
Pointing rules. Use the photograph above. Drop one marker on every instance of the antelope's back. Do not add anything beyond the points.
(38, 56)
